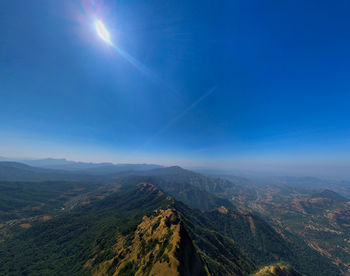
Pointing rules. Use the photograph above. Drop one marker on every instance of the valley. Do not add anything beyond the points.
(168, 221)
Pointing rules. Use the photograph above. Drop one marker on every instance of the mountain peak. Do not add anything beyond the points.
(144, 186)
(159, 246)
(329, 194)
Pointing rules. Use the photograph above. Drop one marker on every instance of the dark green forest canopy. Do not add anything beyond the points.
(64, 244)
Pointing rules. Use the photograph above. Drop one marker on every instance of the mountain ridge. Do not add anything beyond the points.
(231, 239)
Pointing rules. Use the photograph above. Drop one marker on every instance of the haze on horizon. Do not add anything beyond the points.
(231, 85)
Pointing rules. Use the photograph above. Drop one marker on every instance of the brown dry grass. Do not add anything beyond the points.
(46, 218)
(25, 225)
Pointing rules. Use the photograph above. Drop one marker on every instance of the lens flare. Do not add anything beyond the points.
(102, 31)
(105, 36)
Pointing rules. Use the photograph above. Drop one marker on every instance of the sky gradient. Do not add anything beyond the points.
(209, 84)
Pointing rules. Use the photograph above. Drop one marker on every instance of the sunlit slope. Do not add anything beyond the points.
(103, 227)
(65, 243)
(137, 229)
(160, 245)
(260, 242)
(319, 217)
(277, 270)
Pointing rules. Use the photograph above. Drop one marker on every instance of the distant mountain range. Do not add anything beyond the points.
(66, 165)
(60, 169)
(152, 220)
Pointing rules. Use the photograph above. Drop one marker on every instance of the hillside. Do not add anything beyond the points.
(53, 169)
(160, 246)
(84, 227)
(258, 240)
(319, 217)
(308, 220)
(14, 171)
(90, 238)
(193, 196)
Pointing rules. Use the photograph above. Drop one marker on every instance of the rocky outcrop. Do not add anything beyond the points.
(159, 246)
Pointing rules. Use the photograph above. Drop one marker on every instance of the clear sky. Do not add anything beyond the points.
(185, 82)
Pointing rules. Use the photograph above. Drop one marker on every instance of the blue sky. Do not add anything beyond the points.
(215, 82)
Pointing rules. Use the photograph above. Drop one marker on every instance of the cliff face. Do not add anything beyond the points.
(159, 246)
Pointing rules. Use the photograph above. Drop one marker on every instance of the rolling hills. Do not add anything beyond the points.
(164, 221)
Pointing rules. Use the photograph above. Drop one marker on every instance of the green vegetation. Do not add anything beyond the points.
(128, 270)
(27, 199)
(265, 246)
(87, 217)
(154, 227)
(194, 196)
(63, 245)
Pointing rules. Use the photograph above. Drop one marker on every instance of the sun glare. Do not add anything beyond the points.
(102, 31)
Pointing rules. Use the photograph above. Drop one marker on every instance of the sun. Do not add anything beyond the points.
(102, 31)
